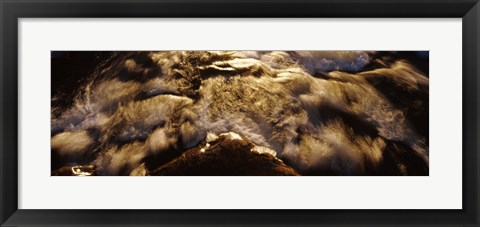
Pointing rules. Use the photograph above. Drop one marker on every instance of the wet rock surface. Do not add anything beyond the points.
(86, 170)
(228, 155)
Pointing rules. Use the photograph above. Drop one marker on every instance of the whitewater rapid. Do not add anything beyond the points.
(322, 113)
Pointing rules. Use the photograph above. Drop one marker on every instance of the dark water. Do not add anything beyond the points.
(316, 112)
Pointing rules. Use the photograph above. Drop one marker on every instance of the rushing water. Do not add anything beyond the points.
(320, 112)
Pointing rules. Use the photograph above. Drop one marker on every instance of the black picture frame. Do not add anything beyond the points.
(12, 10)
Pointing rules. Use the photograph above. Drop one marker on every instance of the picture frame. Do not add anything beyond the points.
(11, 11)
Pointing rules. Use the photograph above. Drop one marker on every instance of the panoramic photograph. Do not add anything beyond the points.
(240, 113)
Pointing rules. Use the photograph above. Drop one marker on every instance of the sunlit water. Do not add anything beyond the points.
(322, 113)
